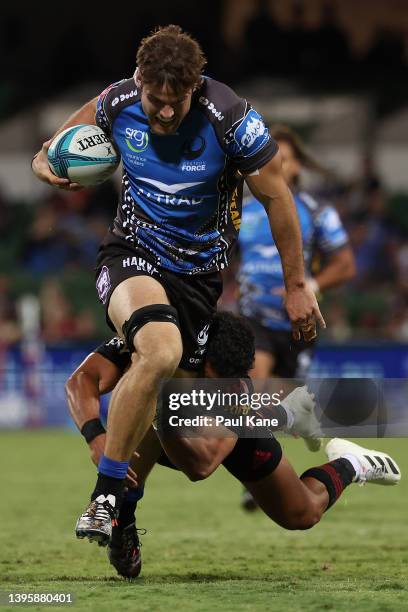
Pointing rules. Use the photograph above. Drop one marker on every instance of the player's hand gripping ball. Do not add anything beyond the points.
(83, 154)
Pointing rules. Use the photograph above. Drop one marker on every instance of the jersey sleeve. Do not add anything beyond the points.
(248, 141)
(330, 234)
(241, 131)
(116, 352)
(105, 105)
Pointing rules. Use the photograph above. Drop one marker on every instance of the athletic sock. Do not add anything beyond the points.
(354, 462)
(335, 475)
(128, 508)
(111, 478)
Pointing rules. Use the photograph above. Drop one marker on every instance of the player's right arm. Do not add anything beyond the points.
(95, 376)
(40, 165)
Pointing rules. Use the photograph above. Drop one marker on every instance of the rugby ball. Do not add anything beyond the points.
(84, 154)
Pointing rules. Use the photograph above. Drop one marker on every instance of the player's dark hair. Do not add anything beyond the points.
(169, 56)
(231, 346)
(285, 133)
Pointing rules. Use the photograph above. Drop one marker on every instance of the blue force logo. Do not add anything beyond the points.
(137, 140)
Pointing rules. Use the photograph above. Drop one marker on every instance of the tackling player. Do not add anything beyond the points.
(257, 462)
(187, 143)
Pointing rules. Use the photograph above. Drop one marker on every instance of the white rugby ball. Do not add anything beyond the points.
(84, 154)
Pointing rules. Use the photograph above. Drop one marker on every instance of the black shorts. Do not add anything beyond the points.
(194, 297)
(292, 358)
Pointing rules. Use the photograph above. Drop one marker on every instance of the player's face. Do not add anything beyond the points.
(165, 110)
(290, 165)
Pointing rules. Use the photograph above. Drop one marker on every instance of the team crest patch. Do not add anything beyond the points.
(251, 134)
(103, 284)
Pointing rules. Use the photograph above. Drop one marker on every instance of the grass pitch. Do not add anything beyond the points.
(201, 551)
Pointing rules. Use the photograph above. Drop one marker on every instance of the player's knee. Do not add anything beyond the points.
(196, 473)
(301, 520)
(198, 468)
(162, 359)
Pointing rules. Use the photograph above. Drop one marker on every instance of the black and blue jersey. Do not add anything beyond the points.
(181, 194)
(261, 268)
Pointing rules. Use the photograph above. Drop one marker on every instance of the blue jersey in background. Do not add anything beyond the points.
(261, 269)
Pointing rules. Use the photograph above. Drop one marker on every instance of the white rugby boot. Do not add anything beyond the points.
(375, 466)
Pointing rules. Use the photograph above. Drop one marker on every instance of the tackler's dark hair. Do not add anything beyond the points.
(231, 346)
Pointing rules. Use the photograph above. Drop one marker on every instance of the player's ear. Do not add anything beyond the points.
(138, 78)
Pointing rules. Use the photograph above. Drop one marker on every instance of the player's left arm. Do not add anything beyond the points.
(39, 165)
(269, 187)
(339, 268)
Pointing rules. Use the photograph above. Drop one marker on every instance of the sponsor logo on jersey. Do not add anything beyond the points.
(103, 284)
(124, 97)
(169, 188)
(251, 133)
(210, 106)
(136, 140)
(254, 128)
(198, 167)
(169, 197)
(140, 264)
(234, 212)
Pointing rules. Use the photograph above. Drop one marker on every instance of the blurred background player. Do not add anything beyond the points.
(262, 290)
(329, 262)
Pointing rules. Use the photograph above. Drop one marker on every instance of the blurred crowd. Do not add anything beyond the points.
(361, 39)
(364, 42)
(49, 247)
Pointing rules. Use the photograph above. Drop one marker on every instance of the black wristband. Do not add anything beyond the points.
(91, 429)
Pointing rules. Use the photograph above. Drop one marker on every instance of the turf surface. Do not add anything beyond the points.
(201, 551)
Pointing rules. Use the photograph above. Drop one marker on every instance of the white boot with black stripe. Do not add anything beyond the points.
(370, 465)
